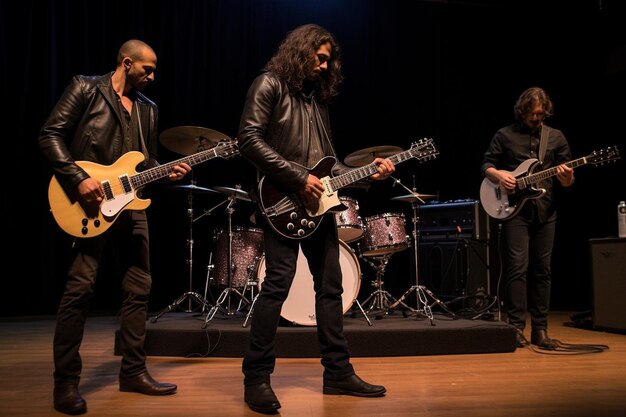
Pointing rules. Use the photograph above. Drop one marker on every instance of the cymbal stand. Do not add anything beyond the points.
(190, 295)
(225, 295)
(421, 292)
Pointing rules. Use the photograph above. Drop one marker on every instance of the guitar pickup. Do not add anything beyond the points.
(125, 181)
(108, 192)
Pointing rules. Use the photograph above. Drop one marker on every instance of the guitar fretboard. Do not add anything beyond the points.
(550, 172)
(222, 149)
(365, 171)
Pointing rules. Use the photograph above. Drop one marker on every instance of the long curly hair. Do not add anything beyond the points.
(296, 55)
(528, 99)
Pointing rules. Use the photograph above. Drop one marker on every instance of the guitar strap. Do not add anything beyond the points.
(543, 143)
(142, 142)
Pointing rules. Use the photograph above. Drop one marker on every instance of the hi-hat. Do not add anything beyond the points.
(193, 189)
(238, 193)
(187, 140)
(367, 155)
(414, 197)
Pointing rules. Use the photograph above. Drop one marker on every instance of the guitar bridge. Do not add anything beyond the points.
(281, 207)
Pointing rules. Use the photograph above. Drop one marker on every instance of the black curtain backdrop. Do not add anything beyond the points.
(447, 70)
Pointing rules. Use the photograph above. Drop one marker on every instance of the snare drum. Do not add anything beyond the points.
(299, 306)
(384, 234)
(349, 224)
(247, 249)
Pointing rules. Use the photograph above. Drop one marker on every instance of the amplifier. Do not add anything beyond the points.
(453, 220)
(608, 262)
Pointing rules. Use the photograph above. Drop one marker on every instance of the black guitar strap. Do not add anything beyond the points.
(543, 143)
(142, 141)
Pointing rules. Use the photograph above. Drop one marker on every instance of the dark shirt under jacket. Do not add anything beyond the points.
(514, 144)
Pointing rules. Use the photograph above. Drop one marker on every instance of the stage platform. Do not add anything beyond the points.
(182, 334)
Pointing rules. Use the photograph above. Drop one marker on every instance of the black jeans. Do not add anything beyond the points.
(322, 252)
(527, 253)
(130, 236)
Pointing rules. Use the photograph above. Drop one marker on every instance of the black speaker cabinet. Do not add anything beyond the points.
(608, 269)
(452, 269)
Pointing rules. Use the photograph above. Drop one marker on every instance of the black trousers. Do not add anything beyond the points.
(129, 235)
(281, 254)
(527, 253)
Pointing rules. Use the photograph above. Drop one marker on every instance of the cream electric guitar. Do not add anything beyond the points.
(120, 183)
(502, 205)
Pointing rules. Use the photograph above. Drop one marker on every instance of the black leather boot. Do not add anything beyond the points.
(261, 398)
(352, 385)
(540, 338)
(145, 384)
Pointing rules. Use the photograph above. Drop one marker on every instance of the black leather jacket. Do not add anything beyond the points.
(86, 125)
(270, 132)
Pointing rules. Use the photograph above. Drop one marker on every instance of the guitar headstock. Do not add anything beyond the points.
(603, 156)
(227, 148)
(424, 149)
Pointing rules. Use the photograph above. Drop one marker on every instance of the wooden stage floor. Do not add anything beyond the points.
(526, 382)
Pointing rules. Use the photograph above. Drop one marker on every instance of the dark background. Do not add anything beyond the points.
(447, 70)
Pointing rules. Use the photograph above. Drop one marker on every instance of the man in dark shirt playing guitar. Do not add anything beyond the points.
(528, 236)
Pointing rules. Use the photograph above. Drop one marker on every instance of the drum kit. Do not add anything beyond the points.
(239, 265)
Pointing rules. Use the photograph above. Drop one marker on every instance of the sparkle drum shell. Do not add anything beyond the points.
(247, 250)
(384, 234)
(349, 223)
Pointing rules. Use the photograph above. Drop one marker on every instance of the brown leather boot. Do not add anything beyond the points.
(68, 400)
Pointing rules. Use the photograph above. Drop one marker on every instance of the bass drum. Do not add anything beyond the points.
(299, 307)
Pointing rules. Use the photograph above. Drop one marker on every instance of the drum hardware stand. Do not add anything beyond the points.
(421, 292)
(210, 267)
(225, 295)
(189, 295)
(380, 299)
(358, 304)
(251, 285)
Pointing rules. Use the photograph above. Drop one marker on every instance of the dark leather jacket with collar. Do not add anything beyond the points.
(270, 132)
(86, 125)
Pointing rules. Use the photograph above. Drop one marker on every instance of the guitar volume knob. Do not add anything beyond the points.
(300, 232)
(290, 226)
(311, 225)
(304, 222)
(293, 215)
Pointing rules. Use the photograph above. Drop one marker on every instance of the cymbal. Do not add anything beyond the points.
(187, 140)
(367, 155)
(193, 189)
(412, 198)
(238, 193)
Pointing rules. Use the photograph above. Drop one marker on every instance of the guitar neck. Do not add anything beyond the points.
(550, 172)
(142, 178)
(357, 174)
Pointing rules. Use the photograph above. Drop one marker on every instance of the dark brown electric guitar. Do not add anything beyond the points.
(293, 218)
